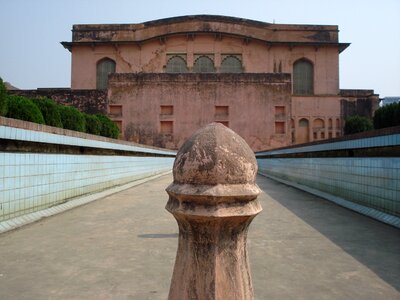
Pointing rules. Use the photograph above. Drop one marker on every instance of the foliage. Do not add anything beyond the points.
(3, 98)
(72, 118)
(387, 116)
(50, 111)
(93, 124)
(22, 108)
(357, 124)
(108, 127)
(45, 111)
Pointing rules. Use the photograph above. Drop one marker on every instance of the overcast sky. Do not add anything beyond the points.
(31, 32)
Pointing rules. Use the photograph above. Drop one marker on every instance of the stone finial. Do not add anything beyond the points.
(213, 199)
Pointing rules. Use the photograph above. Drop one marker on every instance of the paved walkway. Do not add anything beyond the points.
(123, 247)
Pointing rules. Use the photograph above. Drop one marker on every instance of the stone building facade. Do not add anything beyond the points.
(273, 84)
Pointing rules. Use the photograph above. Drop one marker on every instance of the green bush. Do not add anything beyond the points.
(387, 116)
(50, 111)
(22, 108)
(72, 118)
(357, 124)
(93, 124)
(3, 98)
(108, 127)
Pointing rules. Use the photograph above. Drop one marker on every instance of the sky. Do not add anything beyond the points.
(31, 55)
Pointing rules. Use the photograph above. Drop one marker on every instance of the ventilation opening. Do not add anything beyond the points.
(221, 110)
(166, 110)
(280, 127)
(166, 127)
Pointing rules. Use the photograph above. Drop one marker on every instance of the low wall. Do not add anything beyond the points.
(362, 173)
(89, 101)
(42, 166)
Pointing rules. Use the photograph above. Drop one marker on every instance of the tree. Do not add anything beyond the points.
(50, 111)
(108, 127)
(72, 118)
(93, 124)
(387, 116)
(23, 108)
(356, 124)
(3, 98)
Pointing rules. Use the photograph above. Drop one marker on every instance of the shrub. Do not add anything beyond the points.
(108, 127)
(72, 118)
(357, 124)
(387, 116)
(3, 98)
(22, 108)
(93, 124)
(50, 111)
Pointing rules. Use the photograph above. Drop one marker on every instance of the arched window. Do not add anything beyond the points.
(318, 124)
(103, 68)
(303, 123)
(231, 64)
(203, 64)
(303, 77)
(176, 64)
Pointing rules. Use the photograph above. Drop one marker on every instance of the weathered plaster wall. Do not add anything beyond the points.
(205, 23)
(264, 47)
(244, 102)
(257, 57)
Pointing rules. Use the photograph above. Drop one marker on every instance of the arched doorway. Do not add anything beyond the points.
(302, 135)
(319, 129)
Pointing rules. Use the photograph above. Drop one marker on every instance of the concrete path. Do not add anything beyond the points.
(123, 247)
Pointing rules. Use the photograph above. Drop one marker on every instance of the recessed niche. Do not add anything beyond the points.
(115, 110)
(166, 127)
(280, 127)
(221, 110)
(166, 110)
(279, 111)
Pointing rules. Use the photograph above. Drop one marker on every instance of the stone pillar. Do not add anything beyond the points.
(296, 130)
(311, 130)
(213, 199)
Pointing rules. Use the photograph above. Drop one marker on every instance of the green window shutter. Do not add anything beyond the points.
(204, 64)
(231, 64)
(303, 78)
(176, 64)
(104, 67)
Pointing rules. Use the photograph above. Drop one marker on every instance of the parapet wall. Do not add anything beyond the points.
(362, 173)
(42, 166)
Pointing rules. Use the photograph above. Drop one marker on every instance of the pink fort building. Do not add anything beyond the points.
(273, 84)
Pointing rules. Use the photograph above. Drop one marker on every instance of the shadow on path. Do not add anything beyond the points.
(372, 243)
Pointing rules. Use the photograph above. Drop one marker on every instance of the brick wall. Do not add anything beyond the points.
(89, 101)
(358, 102)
